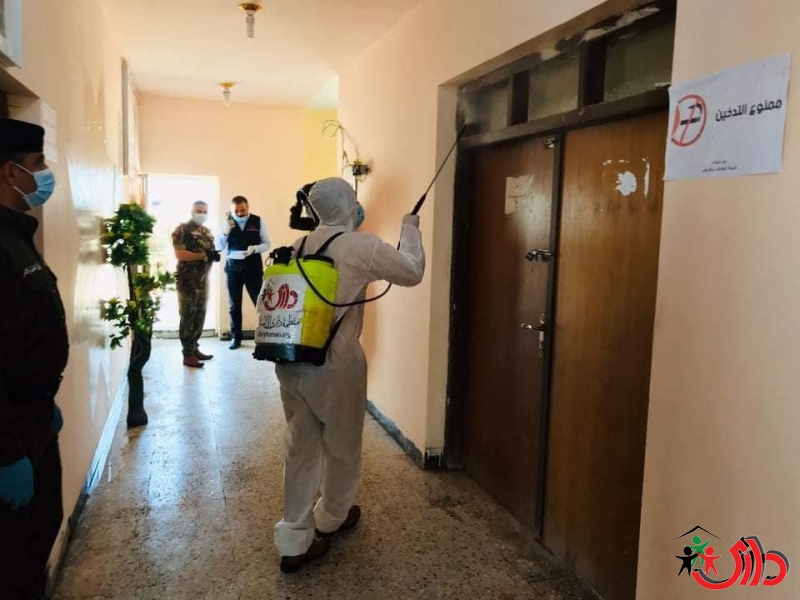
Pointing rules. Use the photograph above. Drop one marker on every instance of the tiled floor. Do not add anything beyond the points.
(187, 506)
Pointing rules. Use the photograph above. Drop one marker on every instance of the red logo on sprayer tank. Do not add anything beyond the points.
(285, 299)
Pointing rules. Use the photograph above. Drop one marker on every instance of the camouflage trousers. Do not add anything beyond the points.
(192, 302)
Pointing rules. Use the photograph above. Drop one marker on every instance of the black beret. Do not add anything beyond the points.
(19, 136)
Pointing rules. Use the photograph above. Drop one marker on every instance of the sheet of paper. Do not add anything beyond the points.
(729, 123)
(237, 254)
(519, 193)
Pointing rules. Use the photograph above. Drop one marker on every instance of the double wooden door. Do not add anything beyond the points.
(555, 420)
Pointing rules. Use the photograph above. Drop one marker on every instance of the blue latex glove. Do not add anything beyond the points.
(58, 419)
(16, 483)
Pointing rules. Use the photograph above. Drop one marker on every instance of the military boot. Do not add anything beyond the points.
(193, 362)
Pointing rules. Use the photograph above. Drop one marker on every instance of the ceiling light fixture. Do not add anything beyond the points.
(251, 8)
(226, 93)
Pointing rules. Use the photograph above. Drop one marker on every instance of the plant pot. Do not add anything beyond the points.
(140, 354)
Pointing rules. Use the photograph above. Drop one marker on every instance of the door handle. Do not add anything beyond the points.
(539, 254)
(541, 328)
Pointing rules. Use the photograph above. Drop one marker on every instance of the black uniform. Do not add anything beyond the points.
(34, 348)
(246, 273)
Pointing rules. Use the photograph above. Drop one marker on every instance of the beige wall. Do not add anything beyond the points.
(265, 153)
(390, 103)
(320, 158)
(721, 437)
(72, 63)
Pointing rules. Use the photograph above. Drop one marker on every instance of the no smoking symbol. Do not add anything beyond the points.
(690, 119)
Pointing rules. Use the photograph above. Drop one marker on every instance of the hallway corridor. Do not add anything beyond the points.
(187, 506)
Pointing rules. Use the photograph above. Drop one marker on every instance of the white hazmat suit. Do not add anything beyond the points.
(325, 405)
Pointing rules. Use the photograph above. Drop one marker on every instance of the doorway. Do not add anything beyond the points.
(554, 291)
(603, 339)
(507, 372)
(566, 457)
(169, 199)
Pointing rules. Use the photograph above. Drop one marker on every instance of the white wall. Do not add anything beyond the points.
(255, 152)
(261, 152)
(72, 62)
(394, 109)
(722, 431)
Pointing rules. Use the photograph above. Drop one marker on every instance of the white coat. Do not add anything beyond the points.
(325, 405)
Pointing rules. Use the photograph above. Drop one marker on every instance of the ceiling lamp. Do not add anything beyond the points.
(226, 93)
(251, 8)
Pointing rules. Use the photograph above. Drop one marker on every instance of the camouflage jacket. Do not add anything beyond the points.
(194, 238)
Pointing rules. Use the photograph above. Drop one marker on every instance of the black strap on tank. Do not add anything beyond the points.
(317, 292)
(323, 249)
(334, 330)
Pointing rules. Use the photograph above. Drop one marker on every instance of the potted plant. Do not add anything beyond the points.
(126, 242)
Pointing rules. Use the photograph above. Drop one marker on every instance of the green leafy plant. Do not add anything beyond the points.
(140, 313)
(126, 242)
(127, 235)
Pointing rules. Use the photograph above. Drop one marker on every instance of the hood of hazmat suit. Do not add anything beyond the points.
(334, 201)
(325, 405)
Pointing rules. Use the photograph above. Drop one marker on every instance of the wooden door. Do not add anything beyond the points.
(608, 265)
(512, 211)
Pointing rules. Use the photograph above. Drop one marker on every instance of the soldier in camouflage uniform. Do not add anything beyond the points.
(194, 248)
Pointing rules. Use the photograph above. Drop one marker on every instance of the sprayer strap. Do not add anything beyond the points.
(327, 244)
(332, 335)
(323, 249)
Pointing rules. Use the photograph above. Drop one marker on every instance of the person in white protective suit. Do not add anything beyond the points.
(325, 405)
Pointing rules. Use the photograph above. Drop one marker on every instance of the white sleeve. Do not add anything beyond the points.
(404, 266)
(222, 242)
(265, 242)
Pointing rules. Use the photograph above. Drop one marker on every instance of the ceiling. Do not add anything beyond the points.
(187, 47)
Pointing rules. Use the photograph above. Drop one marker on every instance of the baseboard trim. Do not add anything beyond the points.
(93, 477)
(106, 439)
(175, 335)
(432, 458)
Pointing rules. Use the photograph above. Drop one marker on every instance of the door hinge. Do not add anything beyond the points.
(550, 143)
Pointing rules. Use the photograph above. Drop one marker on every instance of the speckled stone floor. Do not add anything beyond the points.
(187, 506)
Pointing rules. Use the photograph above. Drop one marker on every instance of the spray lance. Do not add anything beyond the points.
(416, 210)
(424, 197)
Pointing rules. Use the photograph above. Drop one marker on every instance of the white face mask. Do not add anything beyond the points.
(199, 218)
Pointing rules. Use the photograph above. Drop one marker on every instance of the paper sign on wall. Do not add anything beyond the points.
(519, 192)
(730, 123)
